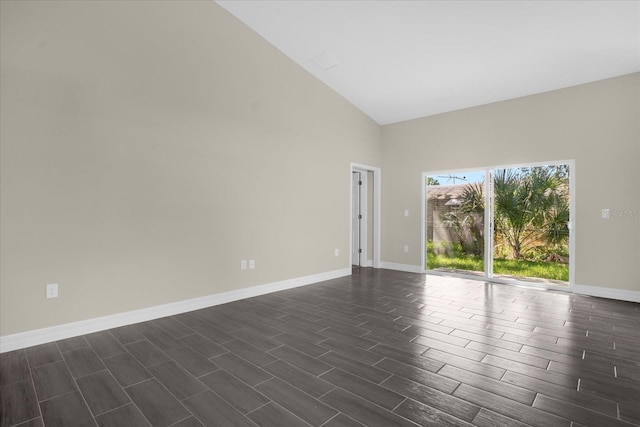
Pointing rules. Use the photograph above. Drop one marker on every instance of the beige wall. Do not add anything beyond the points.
(148, 147)
(597, 125)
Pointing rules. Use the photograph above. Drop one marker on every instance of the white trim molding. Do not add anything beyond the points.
(599, 291)
(594, 291)
(402, 267)
(69, 330)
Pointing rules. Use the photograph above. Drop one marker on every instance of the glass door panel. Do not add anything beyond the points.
(455, 218)
(531, 223)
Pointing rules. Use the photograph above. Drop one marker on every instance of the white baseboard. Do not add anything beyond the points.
(598, 291)
(69, 330)
(401, 267)
(594, 291)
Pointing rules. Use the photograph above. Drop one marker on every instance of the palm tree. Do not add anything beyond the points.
(531, 205)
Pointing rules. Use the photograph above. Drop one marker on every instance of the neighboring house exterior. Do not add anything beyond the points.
(443, 199)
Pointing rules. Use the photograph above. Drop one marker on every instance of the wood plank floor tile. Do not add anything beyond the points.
(496, 342)
(565, 380)
(203, 345)
(419, 375)
(194, 362)
(177, 380)
(240, 395)
(510, 408)
(52, 380)
(83, 361)
(101, 392)
(158, 406)
(496, 387)
(518, 356)
(188, 422)
(126, 369)
(431, 397)
(249, 352)
(301, 360)
(363, 388)
(255, 338)
(72, 343)
(18, 403)
(147, 353)
(213, 411)
(104, 344)
(131, 333)
(377, 348)
(469, 352)
(571, 395)
(580, 414)
(341, 420)
(127, 415)
(43, 354)
(14, 367)
(425, 415)
(487, 418)
(299, 378)
(173, 327)
(363, 411)
(370, 357)
(241, 368)
(163, 340)
(296, 401)
(300, 344)
(274, 415)
(464, 363)
(67, 410)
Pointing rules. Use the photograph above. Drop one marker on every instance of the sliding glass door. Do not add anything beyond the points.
(505, 223)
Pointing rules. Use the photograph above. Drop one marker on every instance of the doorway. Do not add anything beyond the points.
(359, 219)
(365, 216)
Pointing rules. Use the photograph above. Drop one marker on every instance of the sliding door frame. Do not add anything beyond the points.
(488, 224)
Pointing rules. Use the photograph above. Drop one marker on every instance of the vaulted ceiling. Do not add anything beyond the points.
(399, 60)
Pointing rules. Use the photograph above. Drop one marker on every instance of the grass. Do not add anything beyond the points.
(520, 268)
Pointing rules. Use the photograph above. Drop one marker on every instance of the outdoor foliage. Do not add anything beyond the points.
(532, 210)
(501, 266)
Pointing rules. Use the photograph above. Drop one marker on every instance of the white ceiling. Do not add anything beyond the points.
(399, 60)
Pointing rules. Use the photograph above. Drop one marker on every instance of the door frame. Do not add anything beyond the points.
(362, 222)
(377, 179)
(488, 273)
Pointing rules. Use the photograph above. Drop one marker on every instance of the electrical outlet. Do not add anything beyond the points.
(252, 264)
(336, 252)
(406, 248)
(243, 264)
(52, 290)
(406, 212)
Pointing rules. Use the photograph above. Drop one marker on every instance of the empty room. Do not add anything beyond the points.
(319, 213)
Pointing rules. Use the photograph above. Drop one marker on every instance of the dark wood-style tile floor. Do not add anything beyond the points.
(379, 348)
